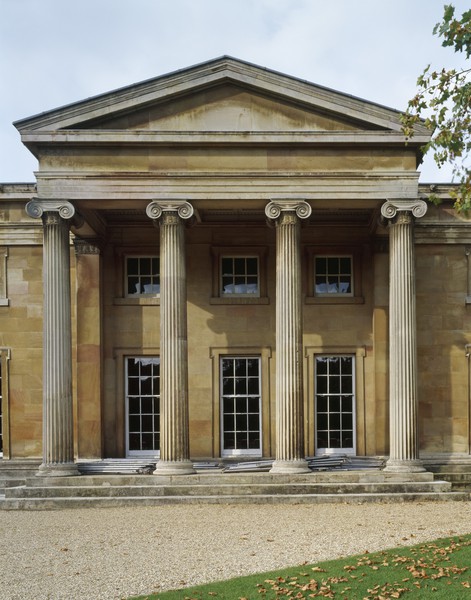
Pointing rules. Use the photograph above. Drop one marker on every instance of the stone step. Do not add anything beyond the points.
(232, 478)
(227, 489)
(125, 501)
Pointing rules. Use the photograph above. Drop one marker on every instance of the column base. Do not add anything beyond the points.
(394, 465)
(58, 470)
(290, 467)
(174, 467)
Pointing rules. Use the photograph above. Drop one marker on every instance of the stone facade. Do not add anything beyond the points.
(231, 283)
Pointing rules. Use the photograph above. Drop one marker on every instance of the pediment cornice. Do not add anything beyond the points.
(222, 71)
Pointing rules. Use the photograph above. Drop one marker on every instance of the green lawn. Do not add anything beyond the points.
(435, 570)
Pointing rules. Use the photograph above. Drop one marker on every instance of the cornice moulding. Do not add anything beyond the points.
(140, 137)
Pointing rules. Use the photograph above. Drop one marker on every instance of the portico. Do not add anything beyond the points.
(281, 324)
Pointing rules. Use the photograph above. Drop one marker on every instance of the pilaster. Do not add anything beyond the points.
(89, 347)
(174, 419)
(403, 394)
(287, 214)
(58, 443)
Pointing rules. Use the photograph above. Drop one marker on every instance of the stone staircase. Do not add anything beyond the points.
(114, 490)
(458, 475)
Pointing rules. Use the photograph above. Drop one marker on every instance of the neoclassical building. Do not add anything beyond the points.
(227, 262)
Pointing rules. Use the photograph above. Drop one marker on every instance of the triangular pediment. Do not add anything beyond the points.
(221, 95)
(227, 107)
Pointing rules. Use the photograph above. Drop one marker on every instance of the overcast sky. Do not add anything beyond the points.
(54, 52)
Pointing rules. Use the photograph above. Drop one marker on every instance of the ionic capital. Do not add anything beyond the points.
(38, 206)
(275, 207)
(156, 208)
(418, 208)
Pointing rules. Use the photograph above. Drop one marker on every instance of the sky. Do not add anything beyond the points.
(55, 52)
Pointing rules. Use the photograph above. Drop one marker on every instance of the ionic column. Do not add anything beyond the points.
(289, 366)
(174, 421)
(403, 398)
(58, 442)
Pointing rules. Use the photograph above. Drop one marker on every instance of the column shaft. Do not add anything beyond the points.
(58, 444)
(174, 418)
(403, 394)
(289, 366)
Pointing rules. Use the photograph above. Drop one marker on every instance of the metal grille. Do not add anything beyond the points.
(240, 399)
(143, 404)
(335, 404)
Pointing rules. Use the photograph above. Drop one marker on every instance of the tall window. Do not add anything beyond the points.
(240, 276)
(143, 405)
(335, 404)
(142, 276)
(333, 275)
(240, 406)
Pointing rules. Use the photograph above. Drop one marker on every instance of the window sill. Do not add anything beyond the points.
(154, 301)
(240, 300)
(4, 302)
(335, 300)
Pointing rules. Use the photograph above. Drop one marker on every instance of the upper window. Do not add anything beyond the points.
(240, 276)
(142, 276)
(333, 275)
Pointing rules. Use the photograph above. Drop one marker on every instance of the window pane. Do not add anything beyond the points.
(241, 422)
(334, 404)
(241, 405)
(144, 266)
(134, 441)
(332, 265)
(321, 365)
(133, 266)
(134, 424)
(252, 266)
(146, 405)
(240, 367)
(334, 365)
(228, 386)
(322, 404)
(228, 405)
(321, 266)
(240, 386)
(239, 266)
(253, 385)
(346, 382)
(242, 440)
(148, 441)
(133, 386)
(254, 422)
(253, 405)
(229, 422)
(322, 385)
(229, 440)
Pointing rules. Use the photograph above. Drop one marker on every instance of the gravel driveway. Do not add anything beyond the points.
(113, 553)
